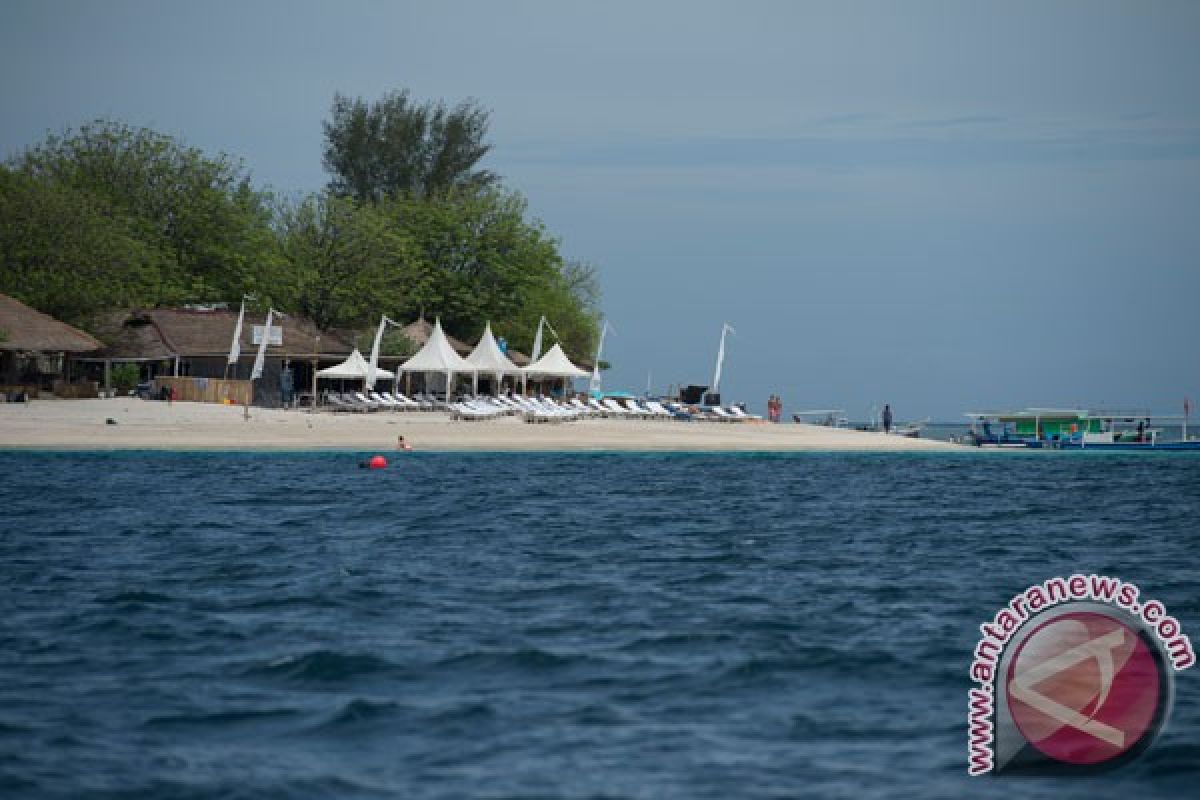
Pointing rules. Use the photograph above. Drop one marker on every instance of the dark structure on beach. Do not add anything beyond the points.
(194, 342)
(38, 352)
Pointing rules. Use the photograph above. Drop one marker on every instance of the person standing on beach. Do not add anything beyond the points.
(887, 418)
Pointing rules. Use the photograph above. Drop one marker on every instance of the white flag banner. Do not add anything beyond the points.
(537, 342)
(256, 373)
(716, 384)
(373, 366)
(235, 347)
(595, 383)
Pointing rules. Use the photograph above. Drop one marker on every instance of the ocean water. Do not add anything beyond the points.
(187, 625)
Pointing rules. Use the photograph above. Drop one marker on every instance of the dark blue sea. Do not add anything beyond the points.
(187, 625)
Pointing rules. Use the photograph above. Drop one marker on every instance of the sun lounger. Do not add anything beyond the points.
(554, 409)
(737, 412)
(595, 405)
(465, 411)
(384, 402)
(722, 415)
(508, 404)
(533, 411)
(485, 406)
(544, 410)
(656, 408)
(335, 402)
(492, 404)
(428, 402)
(659, 410)
(582, 407)
(423, 405)
(350, 401)
(638, 410)
(361, 398)
(402, 401)
(615, 407)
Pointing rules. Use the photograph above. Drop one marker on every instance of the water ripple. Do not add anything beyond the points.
(655, 625)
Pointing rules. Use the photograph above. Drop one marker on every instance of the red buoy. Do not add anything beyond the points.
(377, 462)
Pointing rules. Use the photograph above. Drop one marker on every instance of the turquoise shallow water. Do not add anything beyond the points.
(699, 626)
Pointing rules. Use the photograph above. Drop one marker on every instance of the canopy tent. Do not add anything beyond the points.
(488, 358)
(438, 356)
(554, 364)
(353, 368)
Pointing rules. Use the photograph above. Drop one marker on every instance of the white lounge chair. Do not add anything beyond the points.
(582, 407)
(370, 404)
(384, 402)
(507, 403)
(737, 412)
(336, 403)
(351, 401)
(464, 411)
(595, 405)
(428, 401)
(722, 415)
(656, 408)
(636, 409)
(406, 403)
(615, 407)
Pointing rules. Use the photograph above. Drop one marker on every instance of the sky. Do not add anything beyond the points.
(944, 206)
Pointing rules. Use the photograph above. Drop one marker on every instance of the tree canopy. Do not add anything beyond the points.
(112, 216)
(396, 146)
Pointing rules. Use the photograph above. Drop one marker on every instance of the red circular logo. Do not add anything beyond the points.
(1084, 688)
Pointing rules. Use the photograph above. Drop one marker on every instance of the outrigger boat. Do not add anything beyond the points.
(1073, 429)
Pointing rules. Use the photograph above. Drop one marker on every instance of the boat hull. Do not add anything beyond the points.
(1131, 446)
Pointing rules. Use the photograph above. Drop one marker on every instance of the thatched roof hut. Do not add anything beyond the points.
(25, 329)
(419, 331)
(192, 333)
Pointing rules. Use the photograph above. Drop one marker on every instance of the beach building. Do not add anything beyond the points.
(194, 342)
(38, 352)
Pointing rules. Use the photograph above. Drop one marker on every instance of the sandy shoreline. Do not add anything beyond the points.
(55, 424)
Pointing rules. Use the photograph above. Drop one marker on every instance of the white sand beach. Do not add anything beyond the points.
(140, 424)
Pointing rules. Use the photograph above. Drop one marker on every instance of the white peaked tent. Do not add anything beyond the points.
(554, 364)
(353, 368)
(438, 356)
(489, 360)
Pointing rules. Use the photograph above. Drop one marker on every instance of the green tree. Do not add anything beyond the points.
(199, 213)
(481, 259)
(345, 262)
(125, 376)
(70, 252)
(397, 146)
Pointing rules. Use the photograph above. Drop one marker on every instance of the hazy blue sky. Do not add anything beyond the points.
(939, 205)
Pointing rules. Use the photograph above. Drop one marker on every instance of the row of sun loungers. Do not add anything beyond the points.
(381, 401)
(544, 409)
(541, 409)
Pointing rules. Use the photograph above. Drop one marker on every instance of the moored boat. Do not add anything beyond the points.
(1073, 429)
